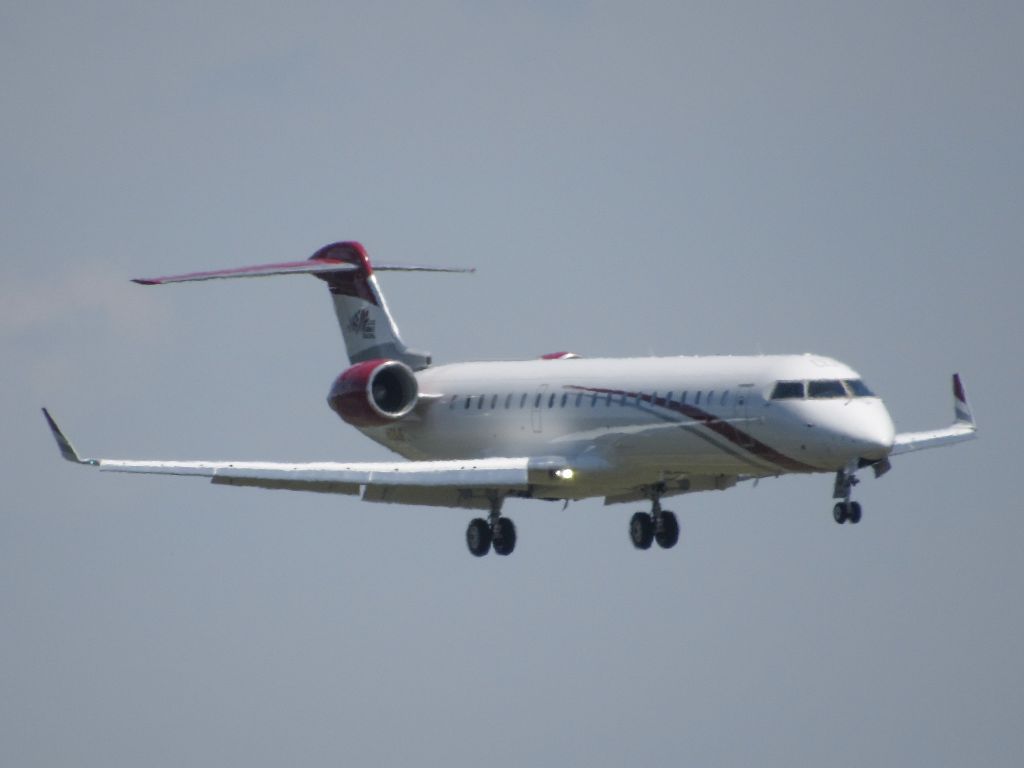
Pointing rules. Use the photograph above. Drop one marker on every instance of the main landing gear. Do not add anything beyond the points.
(496, 531)
(845, 510)
(657, 525)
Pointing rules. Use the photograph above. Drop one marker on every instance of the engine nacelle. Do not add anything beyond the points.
(374, 393)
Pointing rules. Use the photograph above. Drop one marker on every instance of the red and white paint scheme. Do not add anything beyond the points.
(563, 427)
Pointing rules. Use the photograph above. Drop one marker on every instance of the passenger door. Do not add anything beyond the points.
(537, 407)
(743, 408)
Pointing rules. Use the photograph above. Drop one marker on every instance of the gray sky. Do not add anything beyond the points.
(698, 178)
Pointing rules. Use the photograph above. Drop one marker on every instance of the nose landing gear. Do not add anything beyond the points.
(845, 510)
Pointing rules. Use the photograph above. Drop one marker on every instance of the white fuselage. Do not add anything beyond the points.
(619, 421)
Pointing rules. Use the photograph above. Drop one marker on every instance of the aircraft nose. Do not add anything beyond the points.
(872, 437)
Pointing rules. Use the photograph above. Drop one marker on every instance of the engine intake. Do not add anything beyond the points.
(374, 393)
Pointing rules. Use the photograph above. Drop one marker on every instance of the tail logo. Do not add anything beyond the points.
(362, 324)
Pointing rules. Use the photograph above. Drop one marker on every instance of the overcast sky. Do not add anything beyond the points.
(628, 179)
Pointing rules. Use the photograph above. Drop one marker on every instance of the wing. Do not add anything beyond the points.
(962, 428)
(464, 483)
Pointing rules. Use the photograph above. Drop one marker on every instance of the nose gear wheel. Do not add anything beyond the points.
(845, 511)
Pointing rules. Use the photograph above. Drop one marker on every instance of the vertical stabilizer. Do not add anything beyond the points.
(369, 330)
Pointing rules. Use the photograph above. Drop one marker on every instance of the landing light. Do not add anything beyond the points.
(564, 474)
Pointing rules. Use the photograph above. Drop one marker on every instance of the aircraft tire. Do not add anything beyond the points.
(666, 529)
(854, 514)
(839, 512)
(478, 537)
(504, 537)
(641, 530)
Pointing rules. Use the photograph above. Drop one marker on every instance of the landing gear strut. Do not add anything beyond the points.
(845, 510)
(657, 525)
(496, 531)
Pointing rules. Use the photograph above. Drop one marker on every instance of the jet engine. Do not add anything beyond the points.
(374, 393)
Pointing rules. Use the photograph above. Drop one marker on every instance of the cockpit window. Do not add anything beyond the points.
(820, 389)
(788, 390)
(825, 388)
(858, 388)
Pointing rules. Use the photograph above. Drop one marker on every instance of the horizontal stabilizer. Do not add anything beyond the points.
(305, 267)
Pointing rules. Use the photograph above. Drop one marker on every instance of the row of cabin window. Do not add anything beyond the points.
(584, 398)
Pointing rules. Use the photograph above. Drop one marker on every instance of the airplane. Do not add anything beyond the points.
(563, 427)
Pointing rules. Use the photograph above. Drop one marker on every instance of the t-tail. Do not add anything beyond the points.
(369, 330)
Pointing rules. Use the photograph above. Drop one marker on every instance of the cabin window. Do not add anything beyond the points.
(468, 398)
(536, 401)
(825, 388)
(788, 390)
(551, 400)
(494, 401)
(668, 398)
(508, 401)
(858, 388)
(696, 400)
(480, 402)
(725, 396)
(565, 398)
(608, 399)
(451, 403)
(593, 399)
(682, 398)
(522, 401)
(579, 399)
(711, 397)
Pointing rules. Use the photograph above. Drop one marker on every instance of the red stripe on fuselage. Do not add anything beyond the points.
(737, 437)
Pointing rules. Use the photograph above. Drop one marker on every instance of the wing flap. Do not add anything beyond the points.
(285, 483)
(464, 498)
(510, 473)
(689, 484)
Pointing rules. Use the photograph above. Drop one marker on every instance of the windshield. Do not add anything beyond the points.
(820, 389)
(788, 390)
(825, 388)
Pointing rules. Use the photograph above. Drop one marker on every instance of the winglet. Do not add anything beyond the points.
(960, 405)
(66, 449)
